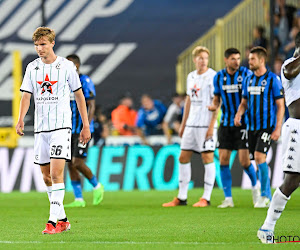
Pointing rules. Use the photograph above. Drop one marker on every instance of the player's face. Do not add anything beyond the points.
(201, 61)
(233, 62)
(147, 103)
(254, 62)
(43, 47)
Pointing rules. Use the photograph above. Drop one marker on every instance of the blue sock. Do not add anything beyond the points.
(226, 180)
(250, 171)
(264, 179)
(93, 181)
(77, 189)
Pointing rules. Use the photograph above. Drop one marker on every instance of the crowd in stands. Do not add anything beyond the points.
(152, 118)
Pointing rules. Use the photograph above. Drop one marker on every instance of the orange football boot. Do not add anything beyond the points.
(202, 203)
(62, 226)
(175, 202)
(50, 229)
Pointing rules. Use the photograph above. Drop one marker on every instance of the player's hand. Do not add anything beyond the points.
(85, 135)
(212, 108)
(237, 120)
(209, 134)
(276, 134)
(20, 128)
(181, 130)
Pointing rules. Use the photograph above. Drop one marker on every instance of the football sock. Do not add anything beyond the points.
(264, 179)
(184, 180)
(250, 171)
(56, 204)
(53, 223)
(226, 180)
(77, 189)
(49, 191)
(64, 219)
(209, 180)
(93, 181)
(277, 205)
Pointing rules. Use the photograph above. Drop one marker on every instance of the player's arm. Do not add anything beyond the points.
(210, 130)
(24, 106)
(85, 134)
(280, 113)
(215, 103)
(292, 69)
(241, 110)
(186, 113)
(91, 105)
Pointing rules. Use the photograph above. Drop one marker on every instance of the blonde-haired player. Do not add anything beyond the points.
(198, 129)
(49, 79)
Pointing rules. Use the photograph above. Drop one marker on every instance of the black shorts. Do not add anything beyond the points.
(260, 141)
(77, 149)
(232, 138)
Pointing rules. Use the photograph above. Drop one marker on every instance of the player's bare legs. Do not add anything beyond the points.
(209, 178)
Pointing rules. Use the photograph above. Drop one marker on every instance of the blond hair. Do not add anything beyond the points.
(43, 31)
(199, 49)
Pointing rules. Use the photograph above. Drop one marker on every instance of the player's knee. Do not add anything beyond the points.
(47, 179)
(259, 157)
(183, 159)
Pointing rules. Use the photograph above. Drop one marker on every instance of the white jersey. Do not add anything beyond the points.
(200, 89)
(50, 85)
(291, 87)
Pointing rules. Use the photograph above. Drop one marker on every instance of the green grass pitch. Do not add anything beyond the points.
(136, 220)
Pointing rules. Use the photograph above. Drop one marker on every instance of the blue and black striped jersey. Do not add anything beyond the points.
(89, 93)
(261, 94)
(229, 88)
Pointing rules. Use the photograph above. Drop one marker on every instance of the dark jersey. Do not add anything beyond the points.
(229, 88)
(89, 93)
(261, 94)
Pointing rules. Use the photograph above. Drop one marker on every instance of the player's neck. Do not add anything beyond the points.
(49, 59)
(260, 71)
(201, 71)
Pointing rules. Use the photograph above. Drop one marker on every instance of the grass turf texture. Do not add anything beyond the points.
(136, 220)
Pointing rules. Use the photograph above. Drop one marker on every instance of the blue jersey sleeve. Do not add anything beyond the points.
(277, 88)
(88, 87)
(216, 85)
(245, 87)
(140, 122)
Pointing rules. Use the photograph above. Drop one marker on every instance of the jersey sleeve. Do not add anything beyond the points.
(216, 85)
(88, 88)
(188, 90)
(26, 83)
(245, 88)
(212, 87)
(73, 79)
(277, 88)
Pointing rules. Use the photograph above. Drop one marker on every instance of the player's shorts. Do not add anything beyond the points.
(78, 149)
(232, 138)
(291, 145)
(193, 139)
(52, 145)
(260, 141)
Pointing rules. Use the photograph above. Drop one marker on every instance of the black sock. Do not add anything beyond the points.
(53, 223)
(64, 220)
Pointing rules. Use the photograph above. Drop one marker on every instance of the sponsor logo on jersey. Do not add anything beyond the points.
(46, 85)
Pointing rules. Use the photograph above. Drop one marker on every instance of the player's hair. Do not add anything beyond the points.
(43, 31)
(74, 58)
(199, 49)
(260, 51)
(297, 40)
(231, 51)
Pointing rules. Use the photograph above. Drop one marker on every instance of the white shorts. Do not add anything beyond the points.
(55, 144)
(193, 140)
(291, 145)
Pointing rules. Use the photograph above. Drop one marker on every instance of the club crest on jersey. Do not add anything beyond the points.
(239, 78)
(195, 91)
(57, 66)
(46, 85)
(264, 83)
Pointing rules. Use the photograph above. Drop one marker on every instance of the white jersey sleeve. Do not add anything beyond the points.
(27, 83)
(74, 81)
